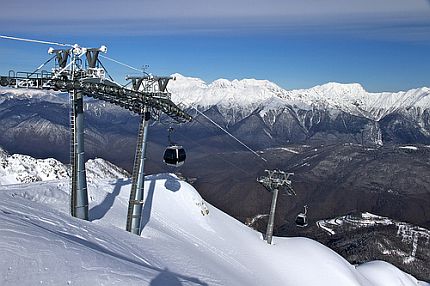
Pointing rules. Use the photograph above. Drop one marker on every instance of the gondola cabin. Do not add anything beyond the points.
(301, 220)
(174, 156)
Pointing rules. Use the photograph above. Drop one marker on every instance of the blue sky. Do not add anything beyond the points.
(382, 44)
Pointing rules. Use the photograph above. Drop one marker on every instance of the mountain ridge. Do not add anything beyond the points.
(325, 113)
(346, 97)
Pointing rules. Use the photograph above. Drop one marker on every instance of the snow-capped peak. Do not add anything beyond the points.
(185, 82)
(222, 83)
(341, 89)
(245, 93)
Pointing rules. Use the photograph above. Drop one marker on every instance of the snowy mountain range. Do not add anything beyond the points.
(259, 112)
(248, 94)
(345, 112)
(185, 241)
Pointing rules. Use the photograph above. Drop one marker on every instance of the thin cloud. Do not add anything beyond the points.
(378, 18)
(191, 9)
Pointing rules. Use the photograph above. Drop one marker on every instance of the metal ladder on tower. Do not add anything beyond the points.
(137, 179)
(73, 146)
(137, 157)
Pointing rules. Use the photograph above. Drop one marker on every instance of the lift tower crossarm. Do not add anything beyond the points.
(146, 81)
(102, 89)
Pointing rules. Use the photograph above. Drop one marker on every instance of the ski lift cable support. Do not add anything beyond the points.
(79, 80)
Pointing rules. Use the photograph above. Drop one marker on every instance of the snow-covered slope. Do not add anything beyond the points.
(17, 168)
(185, 241)
(99, 168)
(381, 273)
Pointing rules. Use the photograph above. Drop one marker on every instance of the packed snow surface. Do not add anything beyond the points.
(185, 241)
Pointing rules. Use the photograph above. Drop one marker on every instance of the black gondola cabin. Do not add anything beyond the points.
(301, 220)
(174, 156)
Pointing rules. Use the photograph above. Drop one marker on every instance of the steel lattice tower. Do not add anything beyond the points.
(88, 79)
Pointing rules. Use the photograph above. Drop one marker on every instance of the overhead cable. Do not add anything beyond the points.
(229, 134)
(120, 63)
(35, 41)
